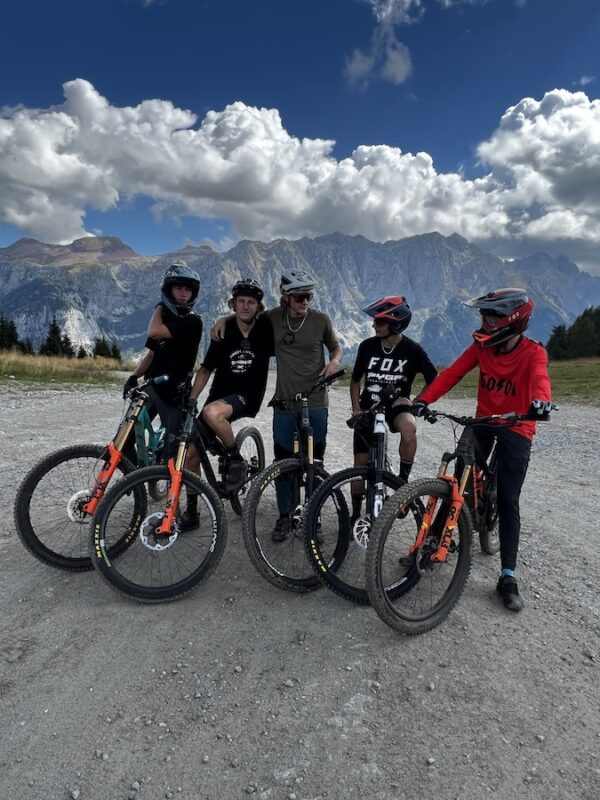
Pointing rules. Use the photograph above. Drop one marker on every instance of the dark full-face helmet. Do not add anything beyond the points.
(504, 313)
(180, 275)
(297, 281)
(392, 309)
(247, 287)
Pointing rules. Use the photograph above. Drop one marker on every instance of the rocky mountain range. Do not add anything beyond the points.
(100, 286)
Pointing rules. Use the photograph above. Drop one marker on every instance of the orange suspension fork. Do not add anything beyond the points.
(115, 453)
(103, 479)
(456, 502)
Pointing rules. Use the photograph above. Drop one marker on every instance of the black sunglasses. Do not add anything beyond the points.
(302, 297)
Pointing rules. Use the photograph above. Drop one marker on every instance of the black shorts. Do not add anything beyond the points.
(364, 437)
(239, 404)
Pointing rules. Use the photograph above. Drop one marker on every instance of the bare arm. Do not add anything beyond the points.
(142, 367)
(217, 332)
(354, 396)
(335, 359)
(157, 329)
(200, 382)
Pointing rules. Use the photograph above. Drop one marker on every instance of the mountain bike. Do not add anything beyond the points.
(430, 558)
(284, 487)
(341, 512)
(59, 495)
(156, 560)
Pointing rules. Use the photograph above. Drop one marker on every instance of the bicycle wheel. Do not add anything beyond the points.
(155, 567)
(281, 485)
(336, 545)
(409, 591)
(48, 508)
(252, 449)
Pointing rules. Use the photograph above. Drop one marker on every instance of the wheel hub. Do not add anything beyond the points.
(361, 530)
(75, 506)
(152, 539)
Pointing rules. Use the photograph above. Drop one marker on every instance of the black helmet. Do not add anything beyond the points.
(392, 309)
(505, 313)
(249, 288)
(180, 275)
(296, 281)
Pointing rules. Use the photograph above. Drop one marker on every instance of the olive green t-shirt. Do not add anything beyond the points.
(299, 350)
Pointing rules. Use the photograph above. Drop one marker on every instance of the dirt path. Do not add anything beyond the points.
(241, 689)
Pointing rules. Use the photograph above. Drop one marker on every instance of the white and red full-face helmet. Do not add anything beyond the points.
(504, 313)
(392, 309)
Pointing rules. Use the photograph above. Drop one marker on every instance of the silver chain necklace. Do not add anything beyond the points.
(385, 350)
(290, 337)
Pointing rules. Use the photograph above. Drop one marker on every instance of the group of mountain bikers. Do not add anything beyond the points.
(513, 377)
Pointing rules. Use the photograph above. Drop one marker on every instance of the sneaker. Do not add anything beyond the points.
(509, 592)
(189, 521)
(237, 472)
(281, 529)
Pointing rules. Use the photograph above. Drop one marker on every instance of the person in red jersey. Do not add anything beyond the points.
(513, 377)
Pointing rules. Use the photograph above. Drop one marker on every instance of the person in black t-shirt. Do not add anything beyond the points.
(240, 362)
(174, 335)
(388, 358)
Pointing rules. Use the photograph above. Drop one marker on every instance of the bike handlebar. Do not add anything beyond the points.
(320, 384)
(150, 381)
(432, 415)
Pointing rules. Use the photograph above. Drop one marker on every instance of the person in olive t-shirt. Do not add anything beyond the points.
(240, 362)
(174, 335)
(300, 336)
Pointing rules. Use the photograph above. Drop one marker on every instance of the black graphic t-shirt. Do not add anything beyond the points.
(175, 357)
(399, 367)
(241, 364)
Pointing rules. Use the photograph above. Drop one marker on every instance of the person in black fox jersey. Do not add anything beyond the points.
(174, 335)
(388, 359)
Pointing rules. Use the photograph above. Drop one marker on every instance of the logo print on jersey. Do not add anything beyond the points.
(498, 385)
(240, 361)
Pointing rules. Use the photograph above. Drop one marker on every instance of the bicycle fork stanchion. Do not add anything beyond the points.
(115, 452)
(175, 471)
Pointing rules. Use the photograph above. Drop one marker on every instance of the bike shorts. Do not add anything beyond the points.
(239, 404)
(364, 437)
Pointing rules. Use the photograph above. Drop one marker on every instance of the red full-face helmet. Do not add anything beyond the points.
(504, 313)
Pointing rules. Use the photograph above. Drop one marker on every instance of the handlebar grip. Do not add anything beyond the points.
(160, 379)
(331, 378)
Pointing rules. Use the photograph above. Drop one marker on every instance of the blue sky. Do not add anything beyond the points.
(301, 96)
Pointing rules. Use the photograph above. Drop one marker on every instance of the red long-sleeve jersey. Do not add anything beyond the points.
(507, 381)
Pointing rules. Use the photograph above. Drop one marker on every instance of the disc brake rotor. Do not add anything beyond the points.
(75, 506)
(151, 538)
(361, 530)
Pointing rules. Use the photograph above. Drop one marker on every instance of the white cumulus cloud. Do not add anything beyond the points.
(540, 179)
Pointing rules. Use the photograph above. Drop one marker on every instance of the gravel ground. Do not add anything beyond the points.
(240, 689)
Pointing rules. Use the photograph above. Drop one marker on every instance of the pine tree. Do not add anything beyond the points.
(9, 338)
(26, 347)
(115, 352)
(81, 353)
(582, 338)
(101, 348)
(67, 348)
(52, 346)
(557, 343)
